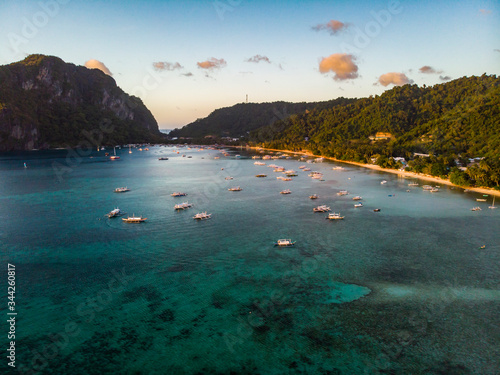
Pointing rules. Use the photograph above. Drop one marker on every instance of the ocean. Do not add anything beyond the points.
(412, 289)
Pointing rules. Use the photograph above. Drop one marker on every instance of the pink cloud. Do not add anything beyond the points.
(212, 63)
(333, 27)
(397, 79)
(96, 64)
(342, 64)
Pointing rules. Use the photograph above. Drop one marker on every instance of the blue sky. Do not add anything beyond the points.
(188, 58)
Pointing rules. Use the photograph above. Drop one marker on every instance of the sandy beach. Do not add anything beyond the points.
(393, 171)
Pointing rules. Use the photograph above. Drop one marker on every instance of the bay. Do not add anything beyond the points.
(404, 290)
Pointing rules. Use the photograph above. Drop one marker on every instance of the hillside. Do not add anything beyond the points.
(47, 103)
(455, 120)
(238, 120)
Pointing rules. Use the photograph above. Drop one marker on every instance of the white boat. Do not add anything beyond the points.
(135, 219)
(114, 213)
(357, 205)
(383, 182)
(480, 200)
(202, 216)
(284, 243)
(334, 216)
(357, 198)
(476, 208)
(338, 168)
(121, 189)
(114, 157)
(493, 205)
(178, 194)
(237, 188)
(322, 208)
(434, 190)
(183, 206)
(306, 169)
(259, 163)
(413, 184)
(286, 191)
(343, 192)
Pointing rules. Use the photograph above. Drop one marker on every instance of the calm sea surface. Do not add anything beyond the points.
(407, 290)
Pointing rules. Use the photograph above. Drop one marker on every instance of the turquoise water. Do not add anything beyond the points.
(406, 290)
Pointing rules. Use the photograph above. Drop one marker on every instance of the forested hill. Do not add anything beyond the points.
(458, 117)
(452, 121)
(47, 103)
(242, 118)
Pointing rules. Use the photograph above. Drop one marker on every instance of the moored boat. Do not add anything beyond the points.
(121, 190)
(183, 206)
(134, 219)
(178, 194)
(202, 216)
(334, 216)
(284, 243)
(237, 188)
(115, 213)
(314, 196)
(286, 191)
(322, 208)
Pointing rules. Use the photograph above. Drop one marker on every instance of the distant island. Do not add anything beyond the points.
(449, 130)
(47, 103)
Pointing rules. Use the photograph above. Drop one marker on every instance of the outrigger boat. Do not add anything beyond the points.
(183, 206)
(202, 216)
(322, 208)
(334, 216)
(115, 213)
(284, 243)
(134, 219)
(178, 194)
(237, 188)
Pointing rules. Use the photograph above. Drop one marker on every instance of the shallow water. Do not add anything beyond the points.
(404, 290)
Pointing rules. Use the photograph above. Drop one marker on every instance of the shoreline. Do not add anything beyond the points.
(420, 176)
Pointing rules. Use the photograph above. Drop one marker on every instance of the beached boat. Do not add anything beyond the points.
(237, 188)
(202, 216)
(134, 219)
(183, 206)
(286, 191)
(334, 216)
(121, 189)
(322, 208)
(178, 194)
(284, 243)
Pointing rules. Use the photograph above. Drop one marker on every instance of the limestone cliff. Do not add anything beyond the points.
(45, 102)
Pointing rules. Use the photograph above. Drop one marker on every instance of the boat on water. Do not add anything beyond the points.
(114, 157)
(165, 158)
(261, 175)
(343, 192)
(121, 189)
(286, 191)
(135, 219)
(178, 194)
(493, 205)
(183, 206)
(334, 216)
(358, 205)
(237, 188)
(383, 182)
(413, 184)
(357, 198)
(284, 243)
(480, 200)
(376, 210)
(115, 213)
(338, 168)
(434, 190)
(314, 196)
(322, 208)
(476, 208)
(202, 216)
(229, 178)
(259, 163)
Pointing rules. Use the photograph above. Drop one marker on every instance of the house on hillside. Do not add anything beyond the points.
(380, 136)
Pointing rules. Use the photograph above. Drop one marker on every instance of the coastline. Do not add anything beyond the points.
(420, 176)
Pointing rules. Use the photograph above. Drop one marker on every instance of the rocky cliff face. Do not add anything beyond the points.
(45, 102)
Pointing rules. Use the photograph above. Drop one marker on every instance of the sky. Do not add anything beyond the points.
(185, 59)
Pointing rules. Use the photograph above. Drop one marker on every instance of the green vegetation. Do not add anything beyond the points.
(46, 103)
(451, 122)
(238, 120)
